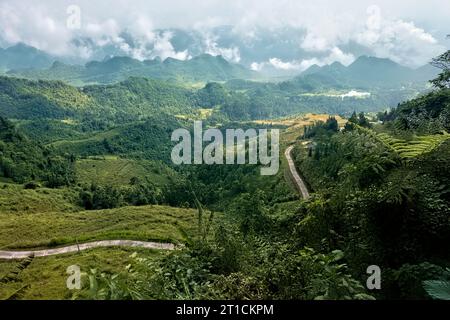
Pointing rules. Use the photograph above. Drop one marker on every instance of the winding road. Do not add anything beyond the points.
(299, 183)
(11, 255)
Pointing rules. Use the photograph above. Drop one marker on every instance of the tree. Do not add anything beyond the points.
(442, 62)
(332, 124)
(353, 118)
(362, 121)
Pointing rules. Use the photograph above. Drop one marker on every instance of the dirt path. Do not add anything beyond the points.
(297, 179)
(10, 255)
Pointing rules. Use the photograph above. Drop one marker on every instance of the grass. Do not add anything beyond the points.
(296, 124)
(79, 143)
(15, 199)
(199, 114)
(45, 278)
(42, 218)
(50, 229)
(111, 170)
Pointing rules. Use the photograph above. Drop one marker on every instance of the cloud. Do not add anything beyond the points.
(338, 55)
(20, 24)
(278, 64)
(401, 41)
(163, 48)
(37, 28)
(333, 55)
(212, 48)
(312, 42)
(138, 40)
(406, 31)
(255, 66)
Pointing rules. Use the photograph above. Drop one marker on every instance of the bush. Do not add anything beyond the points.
(32, 185)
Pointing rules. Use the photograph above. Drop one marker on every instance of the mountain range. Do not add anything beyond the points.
(22, 56)
(368, 72)
(365, 72)
(203, 68)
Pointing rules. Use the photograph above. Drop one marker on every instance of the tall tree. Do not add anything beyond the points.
(442, 62)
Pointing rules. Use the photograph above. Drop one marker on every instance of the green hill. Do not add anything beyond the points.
(128, 100)
(22, 159)
(98, 170)
(367, 73)
(203, 68)
(148, 139)
(22, 56)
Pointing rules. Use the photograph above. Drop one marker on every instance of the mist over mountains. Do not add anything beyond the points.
(203, 68)
(272, 51)
(365, 72)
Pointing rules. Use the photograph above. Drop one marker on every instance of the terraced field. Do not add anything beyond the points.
(411, 148)
(415, 147)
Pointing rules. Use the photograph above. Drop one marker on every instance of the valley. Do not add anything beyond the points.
(87, 179)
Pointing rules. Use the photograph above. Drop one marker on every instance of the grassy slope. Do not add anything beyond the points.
(147, 223)
(14, 199)
(117, 171)
(80, 143)
(45, 278)
(50, 217)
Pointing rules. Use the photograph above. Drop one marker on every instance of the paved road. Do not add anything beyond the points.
(10, 255)
(297, 179)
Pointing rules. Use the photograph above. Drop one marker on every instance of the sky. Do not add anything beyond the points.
(320, 32)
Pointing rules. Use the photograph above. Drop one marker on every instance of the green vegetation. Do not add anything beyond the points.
(368, 197)
(23, 160)
(45, 278)
(415, 147)
(98, 170)
(202, 68)
(148, 139)
(147, 223)
(94, 164)
(17, 199)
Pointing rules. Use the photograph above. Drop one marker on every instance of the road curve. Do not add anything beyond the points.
(11, 255)
(297, 179)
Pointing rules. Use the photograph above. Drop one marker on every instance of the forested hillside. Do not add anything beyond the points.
(23, 160)
(382, 193)
(128, 100)
(203, 68)
(101, 106)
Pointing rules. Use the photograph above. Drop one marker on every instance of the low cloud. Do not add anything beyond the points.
(401, 41)
(163, 48)
(34, 27)
(334, 55)
(212, 48)
(327, 28)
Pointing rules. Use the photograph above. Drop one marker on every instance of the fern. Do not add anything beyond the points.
(437, 289)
